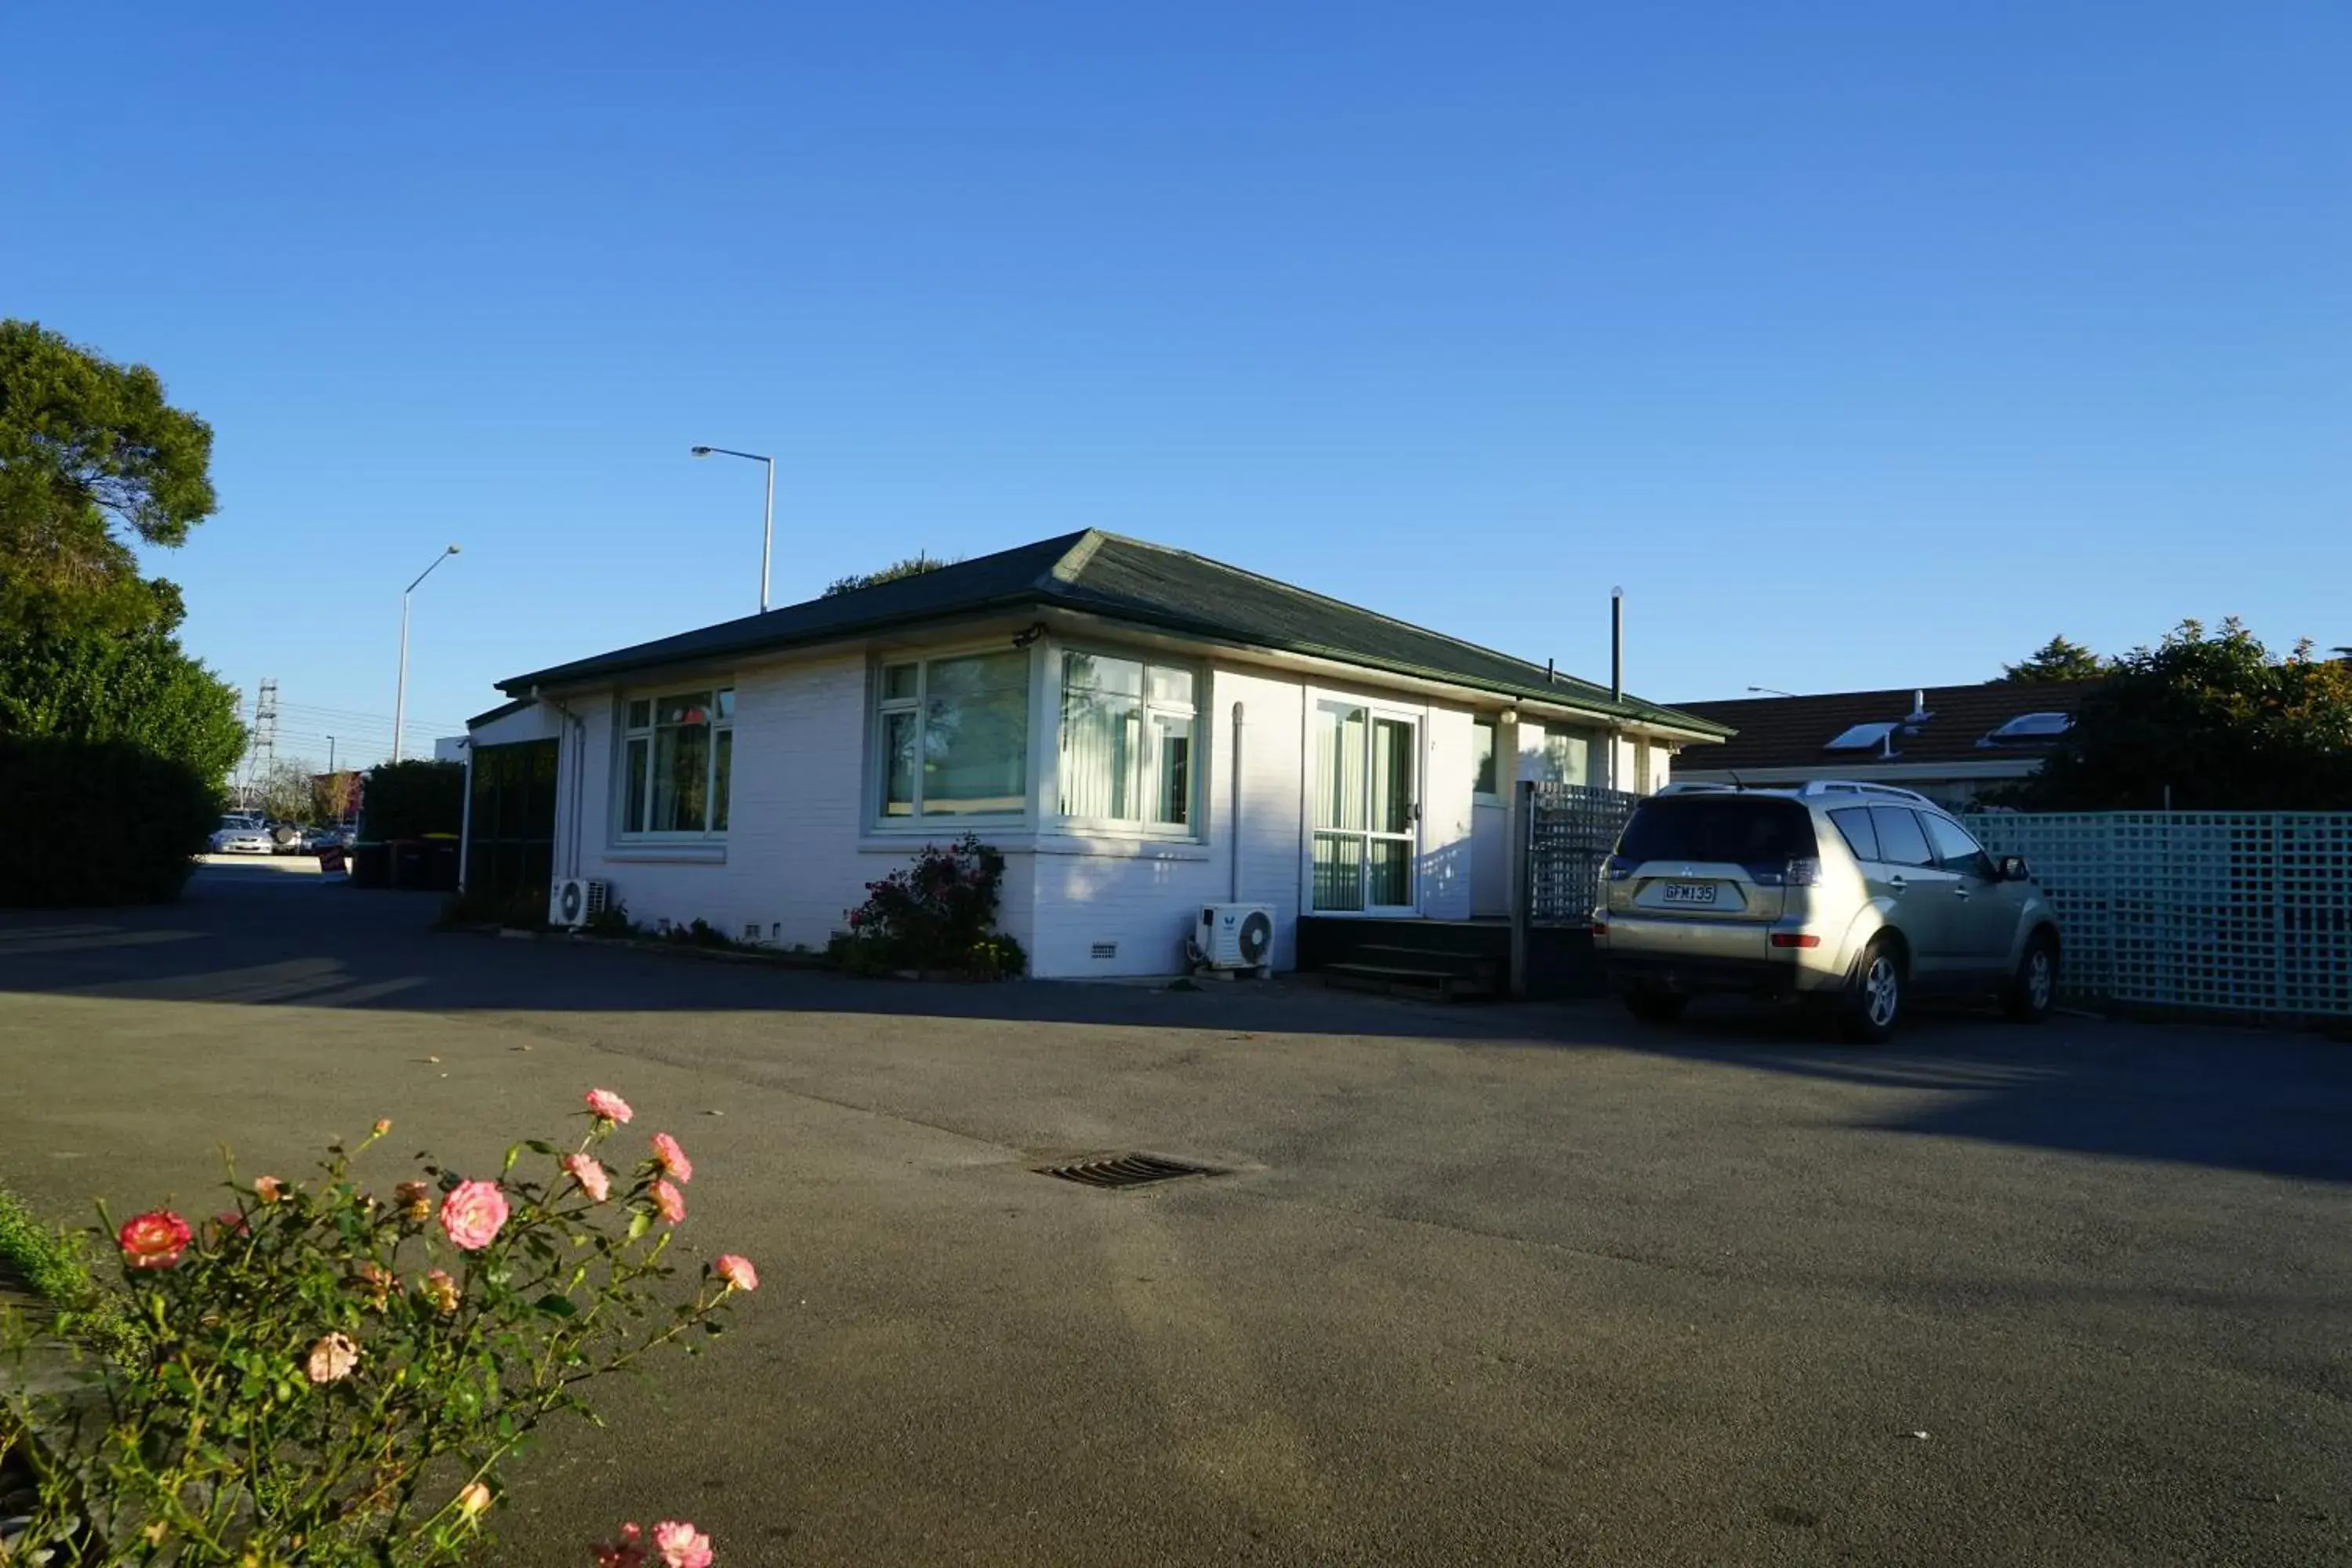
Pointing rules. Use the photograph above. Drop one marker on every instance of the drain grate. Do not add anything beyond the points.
(1124, 1171)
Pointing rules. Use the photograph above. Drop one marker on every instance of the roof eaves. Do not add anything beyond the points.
(623, 660)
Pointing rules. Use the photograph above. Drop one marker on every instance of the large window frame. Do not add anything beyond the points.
(651, 722)
(1374, 811)
(894, 700)
(1163, 711)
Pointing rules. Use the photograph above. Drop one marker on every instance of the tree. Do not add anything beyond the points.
(2209, 722)
(137, 687)
(2057, 660)
(914, 565)
(89, 452)
(284, 791)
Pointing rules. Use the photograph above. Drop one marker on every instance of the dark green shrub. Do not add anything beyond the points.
(935, 914)
(98, 822)
(411, 800)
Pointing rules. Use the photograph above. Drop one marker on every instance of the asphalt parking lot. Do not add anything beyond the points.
(1501, 1285)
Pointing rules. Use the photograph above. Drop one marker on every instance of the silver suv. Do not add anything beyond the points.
(1849, 894)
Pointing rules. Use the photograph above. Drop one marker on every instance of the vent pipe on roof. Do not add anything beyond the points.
(1918, 704)
(1616, 644)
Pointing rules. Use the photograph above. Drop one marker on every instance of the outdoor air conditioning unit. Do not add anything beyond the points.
(1234, 936)
(574, 901)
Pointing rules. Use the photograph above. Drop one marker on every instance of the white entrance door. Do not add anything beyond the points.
(1366, 810)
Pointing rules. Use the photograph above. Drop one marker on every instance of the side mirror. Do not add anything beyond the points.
(2013, 868)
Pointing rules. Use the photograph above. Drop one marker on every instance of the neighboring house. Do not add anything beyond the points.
(1951, 744)
(449, 749)
(1087, 704)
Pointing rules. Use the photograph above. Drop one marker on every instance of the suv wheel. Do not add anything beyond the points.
(1655, 1005)
(2033, 990)
(1876, 1004)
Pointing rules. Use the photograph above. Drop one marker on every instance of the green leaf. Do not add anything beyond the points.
(556, 1306)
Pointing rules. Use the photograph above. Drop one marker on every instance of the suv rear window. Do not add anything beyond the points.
(1739, 830)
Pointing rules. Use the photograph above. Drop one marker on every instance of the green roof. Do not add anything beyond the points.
(1143, 585)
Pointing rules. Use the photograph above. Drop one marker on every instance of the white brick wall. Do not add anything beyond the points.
(800, 847)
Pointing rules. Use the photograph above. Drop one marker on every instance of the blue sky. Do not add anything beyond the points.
(1863, 344)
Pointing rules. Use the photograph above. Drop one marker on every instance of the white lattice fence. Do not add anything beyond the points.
(2240, 912)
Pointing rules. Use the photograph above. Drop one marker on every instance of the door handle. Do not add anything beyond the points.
(1962, 890)
(1898, 883)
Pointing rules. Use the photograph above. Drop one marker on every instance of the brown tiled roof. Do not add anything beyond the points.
(1790, 732)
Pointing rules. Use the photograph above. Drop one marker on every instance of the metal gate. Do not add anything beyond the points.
(1571, 832)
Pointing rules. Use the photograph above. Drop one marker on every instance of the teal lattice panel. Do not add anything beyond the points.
(2235, 912)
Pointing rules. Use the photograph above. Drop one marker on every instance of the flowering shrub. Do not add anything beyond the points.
(934, 914)
(327, 1377)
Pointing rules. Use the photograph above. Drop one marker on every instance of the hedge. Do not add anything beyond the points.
(410, 800)
(98, 822)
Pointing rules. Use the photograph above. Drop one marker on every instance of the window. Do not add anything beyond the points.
(1484, 734)
(1854, 826)
(952, 736)
(1725, 829)
(1955, 850)
(677, 757)
(1568, 757)
(1366, 814)
(1900, 840)
(1641, 767)
(1127, 741)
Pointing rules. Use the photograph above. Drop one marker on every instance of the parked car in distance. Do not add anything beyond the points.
(1849, 895)
(241, 835)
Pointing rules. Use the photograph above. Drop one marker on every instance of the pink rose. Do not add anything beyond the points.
(268, 1189)
(737, 1271)
(606, 1106)
(437, 1288)
(593, 1179)
(472, 1499)
(669, 1200)
(472, 1214)
(671, 1158)
(681, 1545)
(623, 1552)
(332, 1359)
(154, 1239)
(383, 1125)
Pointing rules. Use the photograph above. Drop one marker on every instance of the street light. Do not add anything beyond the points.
(330, 753)
(400, 703)
(1771, 691)
(768, 523)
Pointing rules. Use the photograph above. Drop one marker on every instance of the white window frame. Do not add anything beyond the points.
(1421, 718)
(624, 732)
(878, 706)
(1502, 778)
(1146, 774)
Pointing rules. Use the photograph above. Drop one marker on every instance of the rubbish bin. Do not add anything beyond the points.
(408, 859)
(370, 864)
(441, 864)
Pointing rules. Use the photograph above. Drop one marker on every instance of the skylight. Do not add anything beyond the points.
(2029, 728)
(1863, 738)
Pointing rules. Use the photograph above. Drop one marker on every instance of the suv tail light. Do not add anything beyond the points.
(1801, 873)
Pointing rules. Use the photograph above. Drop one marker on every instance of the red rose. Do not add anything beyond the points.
(154, 1239)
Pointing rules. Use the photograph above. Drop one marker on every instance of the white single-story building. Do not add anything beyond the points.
(1139, 731)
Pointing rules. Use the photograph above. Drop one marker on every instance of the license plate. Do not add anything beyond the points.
(1688, 893)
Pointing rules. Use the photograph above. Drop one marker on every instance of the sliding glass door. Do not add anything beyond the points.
(1366, 808)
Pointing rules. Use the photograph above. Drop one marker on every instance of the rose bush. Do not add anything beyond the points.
(321, 1377)
(934, 914)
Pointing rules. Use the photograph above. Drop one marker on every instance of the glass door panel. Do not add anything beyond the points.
(1366, 809)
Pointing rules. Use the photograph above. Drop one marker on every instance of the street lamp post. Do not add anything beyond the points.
(400, 702)
(331, 755)
(768, 522)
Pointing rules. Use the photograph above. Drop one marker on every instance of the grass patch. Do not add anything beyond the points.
(54, 1264)
(49, 1260)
